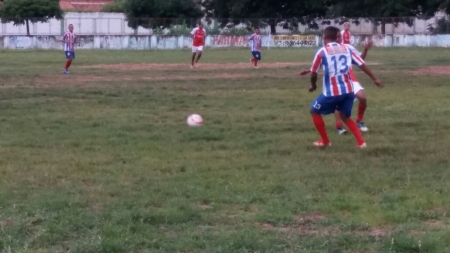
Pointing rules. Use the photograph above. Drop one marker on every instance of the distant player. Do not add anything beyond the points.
(255, 42)
(69, 39)
(336, 60)
(198, 36)
(359, 93)
(345, 34)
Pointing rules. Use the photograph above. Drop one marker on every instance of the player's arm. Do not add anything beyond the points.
(367, 46)
(204, 38)
(362, 65)
(75, 39)
(64, 40)
(304, 72)
(317, 63)
(313, 80)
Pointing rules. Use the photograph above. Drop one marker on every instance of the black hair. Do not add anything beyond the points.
(331, 33)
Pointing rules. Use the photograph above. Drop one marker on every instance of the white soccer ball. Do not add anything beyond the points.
(194, 120)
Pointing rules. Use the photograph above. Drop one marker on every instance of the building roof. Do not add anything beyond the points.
(83, 5)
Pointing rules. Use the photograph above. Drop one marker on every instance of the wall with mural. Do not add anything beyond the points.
(176, 42)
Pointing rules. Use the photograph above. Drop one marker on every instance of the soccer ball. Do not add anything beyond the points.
(194, 120)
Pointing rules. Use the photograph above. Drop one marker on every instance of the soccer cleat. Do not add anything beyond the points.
(321, 144)
(196, 65)
(362, 127)
(341, 131)
(364, 145)
(192, 66)
(66, 72)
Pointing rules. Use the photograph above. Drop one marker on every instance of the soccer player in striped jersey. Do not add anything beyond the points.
(359, 93)
(69, 39)
(358, 90)
(338, 94)
(255, 42)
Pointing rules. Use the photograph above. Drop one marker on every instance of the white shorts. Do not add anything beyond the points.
(197, 49)
(356, 88)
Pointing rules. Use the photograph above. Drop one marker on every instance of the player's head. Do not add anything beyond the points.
(347, 26)
(330, 34)
(200, 25)
(71, 28)
(256, 30)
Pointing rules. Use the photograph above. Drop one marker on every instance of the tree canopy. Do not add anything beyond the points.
(24, 11)
(386, 11)
(297, 11)
(153, 13)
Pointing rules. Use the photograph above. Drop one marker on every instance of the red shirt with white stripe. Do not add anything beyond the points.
(198, 37)
(336, 60)
(71, 40)
(345, 35)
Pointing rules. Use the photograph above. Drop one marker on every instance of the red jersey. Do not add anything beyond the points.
(198, 37)
(345, 35)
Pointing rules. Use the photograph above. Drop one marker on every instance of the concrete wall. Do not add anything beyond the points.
(176, 42)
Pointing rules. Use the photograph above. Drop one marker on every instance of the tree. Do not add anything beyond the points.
(156, 13)
(383, 12)
(287, 13)
(25, 11)
(116, 6)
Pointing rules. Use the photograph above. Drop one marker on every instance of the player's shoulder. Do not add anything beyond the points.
(195, 29)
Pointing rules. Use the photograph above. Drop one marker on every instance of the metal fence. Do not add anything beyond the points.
(117, 24)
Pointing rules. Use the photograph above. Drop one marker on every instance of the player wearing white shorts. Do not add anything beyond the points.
(360, 95)
(198, 36)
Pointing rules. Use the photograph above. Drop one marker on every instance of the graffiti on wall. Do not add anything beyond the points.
(229, 41)
(20, 42)
(294, 40)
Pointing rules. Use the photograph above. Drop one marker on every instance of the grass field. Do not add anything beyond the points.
(102, 160)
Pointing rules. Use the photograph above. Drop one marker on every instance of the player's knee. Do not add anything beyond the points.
(362, 101)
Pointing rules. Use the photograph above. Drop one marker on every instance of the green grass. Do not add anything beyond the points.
(102, 160)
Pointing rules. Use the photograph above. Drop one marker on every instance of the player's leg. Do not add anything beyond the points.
(256, 58)
(362, 105)
(345, 109)
(194, 53)
(339, 127)
(199, 55)
(322, 105)
(69, 57)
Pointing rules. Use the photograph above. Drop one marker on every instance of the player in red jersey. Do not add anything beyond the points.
(69, 39)
(338, 94)
(345, 34)
(198, 36)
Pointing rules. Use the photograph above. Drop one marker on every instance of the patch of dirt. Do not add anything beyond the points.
(305, 230)
(432, 70)
(56, 81)
(5, 223)
(206, 66)
(309, 217)
(305, 225)
(204, 206)
(416, 233)
(436, 224)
